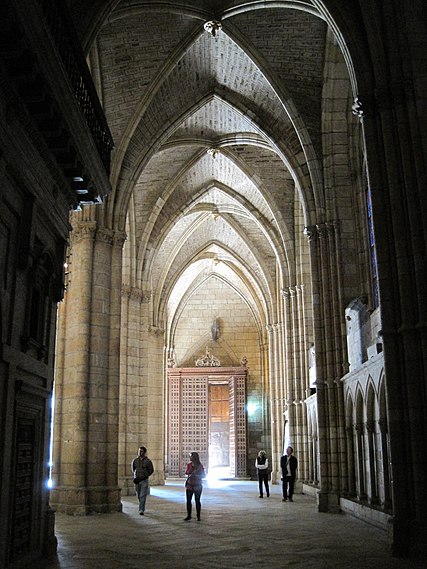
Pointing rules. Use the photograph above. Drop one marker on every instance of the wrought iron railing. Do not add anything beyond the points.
(69, 48)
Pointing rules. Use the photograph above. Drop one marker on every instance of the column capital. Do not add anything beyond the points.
(136, 293)
(105, 235)
(290, 291)
(270, 329)
(83, 230)
(156, 330)
(311, 232)
(119, 238)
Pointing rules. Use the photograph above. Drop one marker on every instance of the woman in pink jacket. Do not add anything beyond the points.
(193, 485)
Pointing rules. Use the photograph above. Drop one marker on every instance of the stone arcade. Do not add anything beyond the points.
(240, 180)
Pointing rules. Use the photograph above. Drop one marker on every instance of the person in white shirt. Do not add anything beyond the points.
(289, 465)
(261, 464)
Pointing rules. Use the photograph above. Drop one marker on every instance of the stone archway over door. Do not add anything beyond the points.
(190, 420)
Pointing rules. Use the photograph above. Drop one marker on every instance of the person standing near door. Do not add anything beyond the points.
(261, 465)
(289, 465)
(195, 473)
(142, 469)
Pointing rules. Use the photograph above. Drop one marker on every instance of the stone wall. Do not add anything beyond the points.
(238, 335)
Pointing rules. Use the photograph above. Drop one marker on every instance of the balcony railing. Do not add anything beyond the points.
(69, 48)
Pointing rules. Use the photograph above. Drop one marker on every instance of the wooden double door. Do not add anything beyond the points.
(207, 414)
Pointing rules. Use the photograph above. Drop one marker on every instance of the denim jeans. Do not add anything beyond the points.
(189, 495)
(142, 491)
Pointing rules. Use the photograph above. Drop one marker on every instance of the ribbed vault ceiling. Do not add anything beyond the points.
(171, 92)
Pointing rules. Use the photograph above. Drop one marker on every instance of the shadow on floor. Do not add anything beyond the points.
(237, 530)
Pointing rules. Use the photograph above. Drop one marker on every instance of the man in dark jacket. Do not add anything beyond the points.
(142, 469)
(289, 465)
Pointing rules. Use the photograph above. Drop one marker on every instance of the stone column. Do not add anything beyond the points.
(382, 423)
(312, 234)
(113, 408)
(392, 117)
(288, 379)
(130, 386)
(266, 399)
(360, 455)
(72, 393)
(142, 387)
(329, 341)
(154, 374)
(350, 488)
(372, 457)
(85, 460)
(302, 386)
(277, 423)
(328, 309)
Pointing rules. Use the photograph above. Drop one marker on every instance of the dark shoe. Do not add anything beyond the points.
(198, 518)
(141, 513)
(260, 496)
(268, 495)
(290, 500)
(283, 499)
(187, 518)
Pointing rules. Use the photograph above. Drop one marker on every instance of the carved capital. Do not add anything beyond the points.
(357, 108)
(156, 331)
(133, 293)
(83, 230)
(311, 232)
(105, 235)
(291, 291)
(146, 296)
(363, 106)
(285, 293)
(119, 238)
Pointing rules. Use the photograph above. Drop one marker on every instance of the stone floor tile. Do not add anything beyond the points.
(238, 530)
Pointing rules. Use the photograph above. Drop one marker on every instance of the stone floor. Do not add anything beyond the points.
(237, 530)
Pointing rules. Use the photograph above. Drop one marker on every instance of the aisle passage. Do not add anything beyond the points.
(237, 530)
